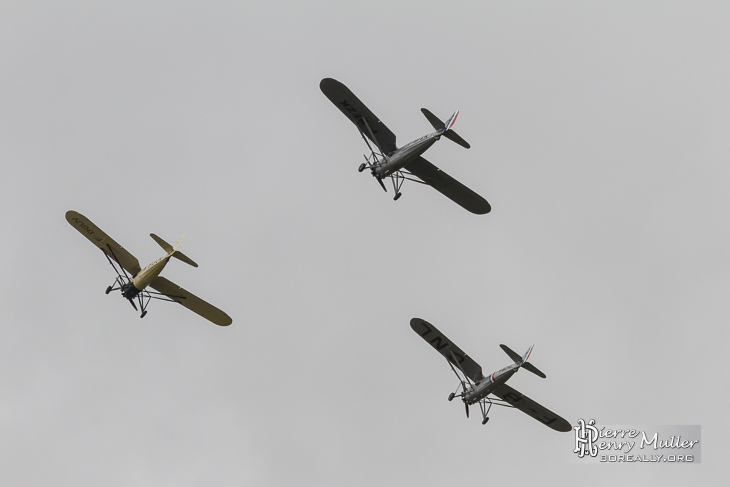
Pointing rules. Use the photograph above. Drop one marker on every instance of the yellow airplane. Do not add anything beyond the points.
(133, 281)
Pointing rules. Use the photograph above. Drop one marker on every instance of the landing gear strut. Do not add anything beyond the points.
(485, 412)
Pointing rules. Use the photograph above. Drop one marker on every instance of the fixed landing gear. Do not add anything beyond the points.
(397, 195)
(362, 167)
(108, 290)
(451, 396)
(485, 410)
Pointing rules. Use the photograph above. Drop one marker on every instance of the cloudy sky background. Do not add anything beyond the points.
(599, 134)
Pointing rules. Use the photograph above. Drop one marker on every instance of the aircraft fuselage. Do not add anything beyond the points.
(402, 156)
(485, 386)
(144, 277)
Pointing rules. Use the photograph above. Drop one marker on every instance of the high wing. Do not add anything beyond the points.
(448, 186)
(528, 406)
(103, 241)
(191, 301)
(358, 113)
(447, 348)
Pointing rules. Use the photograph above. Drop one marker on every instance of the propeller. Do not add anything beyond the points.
(380, 180)
(466, 405)
(133, 305)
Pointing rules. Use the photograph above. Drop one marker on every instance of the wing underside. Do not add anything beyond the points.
(447, 348)
(103, 241)
(530, 407)
(191, 301)
(358, 113)
(448, 186)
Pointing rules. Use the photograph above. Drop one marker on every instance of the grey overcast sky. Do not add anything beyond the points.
(599, 134)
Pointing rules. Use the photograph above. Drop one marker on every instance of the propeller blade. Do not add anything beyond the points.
(466, 405)
(380, 180)
(133, 305)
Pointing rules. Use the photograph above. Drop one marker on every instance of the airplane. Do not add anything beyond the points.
(400, 164)
(133, 281)
(476, 388)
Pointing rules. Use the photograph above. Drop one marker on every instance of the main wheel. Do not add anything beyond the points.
(485, 420)
(397, 195)
(361, 168)
(108, 290)
(451, 397)
(143, 314)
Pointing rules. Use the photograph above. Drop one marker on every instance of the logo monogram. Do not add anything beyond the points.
(585, 437)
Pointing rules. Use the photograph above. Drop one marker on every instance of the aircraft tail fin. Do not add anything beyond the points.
(179, 242)
(522, 360)
(446, 127)
(173, 250)
(526, 355)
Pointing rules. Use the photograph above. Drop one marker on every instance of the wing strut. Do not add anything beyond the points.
(376, 158)
(124, 282)
(464, 389)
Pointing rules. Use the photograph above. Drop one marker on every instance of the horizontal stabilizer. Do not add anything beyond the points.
(180, 256)
(433, 119)
(454, 137)
(534, 370)
(173, 250)
(165, 246)
(446, 127)
(519, 359)
(512, 354)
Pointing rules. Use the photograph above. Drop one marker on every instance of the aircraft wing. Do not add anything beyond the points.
(447, 348)
(358, 113)
(448, 186)
(191, 301)
(103, 241)
(528, 406)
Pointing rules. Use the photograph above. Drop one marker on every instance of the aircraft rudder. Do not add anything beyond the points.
(453, 136)
(529, 367)
(179, 242)
(451, 121)
(526, 356)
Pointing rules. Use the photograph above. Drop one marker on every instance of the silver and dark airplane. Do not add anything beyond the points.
(476, 388)
(403, 163)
